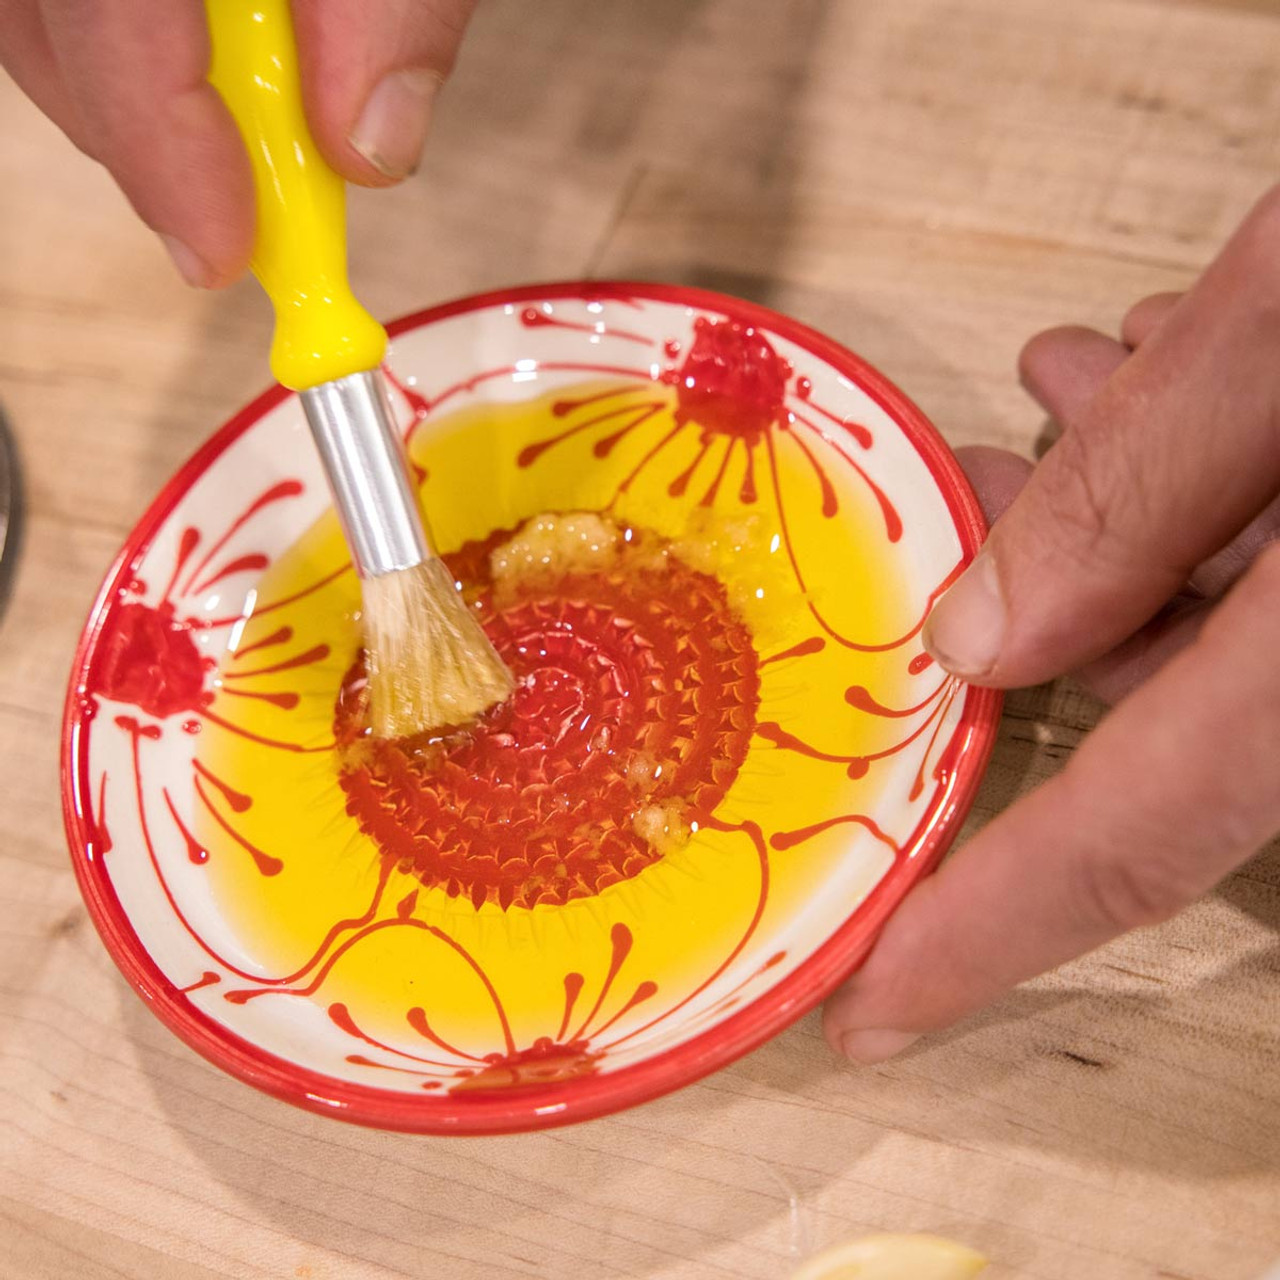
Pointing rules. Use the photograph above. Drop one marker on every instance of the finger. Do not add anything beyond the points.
(1146, 316)
(138, 85)
(370, 74)
(1139, 657)
(1169, 462)
(997, 477)
(1218, 573)
(1172, 791)
(1064, 369)
(26, 54)
(1134, 661)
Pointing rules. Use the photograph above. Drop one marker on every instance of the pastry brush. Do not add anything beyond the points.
(429, 662)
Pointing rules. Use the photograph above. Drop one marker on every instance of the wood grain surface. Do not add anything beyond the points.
(929, 181)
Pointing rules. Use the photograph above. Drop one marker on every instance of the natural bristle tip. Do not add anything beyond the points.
(430, 663)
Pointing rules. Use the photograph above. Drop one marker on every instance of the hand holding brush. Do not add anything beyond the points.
(430, 663)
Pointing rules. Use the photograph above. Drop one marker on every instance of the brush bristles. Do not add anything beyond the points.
(430, 662)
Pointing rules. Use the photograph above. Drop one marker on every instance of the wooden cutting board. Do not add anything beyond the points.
(930, 181)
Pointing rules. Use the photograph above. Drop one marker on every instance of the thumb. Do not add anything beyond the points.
(370, 74)
(1171, 459)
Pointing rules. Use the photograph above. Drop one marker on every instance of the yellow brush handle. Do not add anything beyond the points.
(300, 254)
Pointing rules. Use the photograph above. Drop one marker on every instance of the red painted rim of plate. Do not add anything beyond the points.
(532, 1107)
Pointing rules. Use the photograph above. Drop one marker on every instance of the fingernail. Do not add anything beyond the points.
(392, 128)
(966, 628)
(870, 1047)
(190, 265)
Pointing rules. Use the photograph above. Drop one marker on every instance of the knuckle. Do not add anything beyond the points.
(1076, 501)
(1129, 890)
(1100, 500)
(1121, 872)
(443, 24)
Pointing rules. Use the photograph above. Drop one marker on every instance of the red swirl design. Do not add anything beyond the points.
(637, 688)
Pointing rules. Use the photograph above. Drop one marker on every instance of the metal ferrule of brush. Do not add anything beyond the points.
(360, 447)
